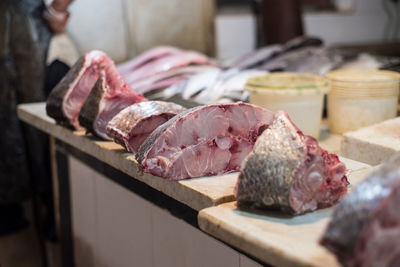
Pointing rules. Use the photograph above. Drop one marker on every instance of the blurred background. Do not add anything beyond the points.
(228, 29)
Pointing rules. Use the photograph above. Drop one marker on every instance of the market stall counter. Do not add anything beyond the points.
(110, 213)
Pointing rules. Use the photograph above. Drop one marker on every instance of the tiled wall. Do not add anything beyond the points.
(114, 227)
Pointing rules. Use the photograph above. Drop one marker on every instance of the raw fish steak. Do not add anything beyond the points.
(67, 98)
(288, 171)
(132, 125)
(109, 96)
(365, 226)
(203, 141)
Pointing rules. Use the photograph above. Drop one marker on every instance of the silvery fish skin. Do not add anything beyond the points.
(365, 226)
(309, 59)
(284, 60)
(168, 63)
(234, 87)
(230, 84)
(200, 81)
(302, 41)
(253, 58)
(264, 54)
(289, 172)
(216, 89)
(150, 83)
(204, 77)
(318, 61)
(146, 57)
(132, 125)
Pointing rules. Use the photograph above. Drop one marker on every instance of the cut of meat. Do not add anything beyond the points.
(289, 171)
(109, 96)
(135, 123)
(167, 63)
(365, 226)
(67, 98)
(203, 141)
(146, 57)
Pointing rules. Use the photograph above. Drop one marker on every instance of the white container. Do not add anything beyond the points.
(359, 98)
(300, 95)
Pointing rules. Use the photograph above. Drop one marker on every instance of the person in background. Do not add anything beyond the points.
(26, 27)
(56, 15)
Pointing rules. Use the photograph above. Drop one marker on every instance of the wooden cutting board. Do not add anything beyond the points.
(373, 144)
(274, 238)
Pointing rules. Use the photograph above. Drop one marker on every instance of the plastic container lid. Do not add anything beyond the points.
(288, 83)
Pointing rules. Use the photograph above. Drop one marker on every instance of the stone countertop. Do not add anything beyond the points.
(373, 144)
(274, 238)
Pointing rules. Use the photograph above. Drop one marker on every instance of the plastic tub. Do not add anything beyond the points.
(359, 98)
(300, 95)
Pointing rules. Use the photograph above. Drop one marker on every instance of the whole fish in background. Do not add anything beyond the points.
(317, 61)
(229, 84)
(213, 85)
(307, 60)
(302, 41)
(253, 58)
(362, 61)
(201, 80)
(162, 67)
(233, 87)
(288, 171)
(215, 90)
(365, 226)
(164, 72)
(167, 78)
(262, 55)
(167, 63)
(150, 55)
(390, 63)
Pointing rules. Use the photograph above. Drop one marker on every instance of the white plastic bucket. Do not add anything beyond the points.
(359, 98)
(300, 95)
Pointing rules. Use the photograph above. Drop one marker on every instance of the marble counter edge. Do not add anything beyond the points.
(217, 223)
(220, 230)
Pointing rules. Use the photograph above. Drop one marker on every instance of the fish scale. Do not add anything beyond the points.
(277, 168)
